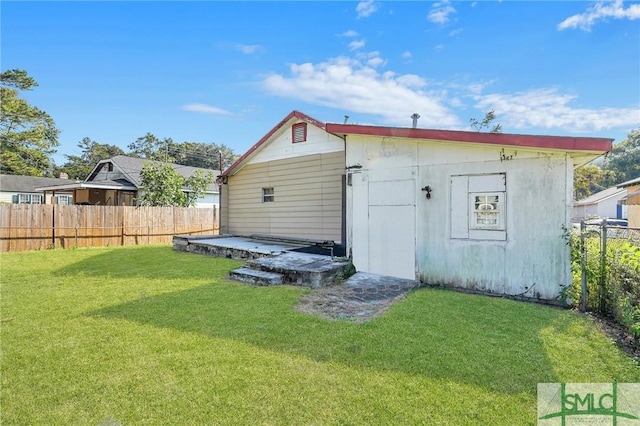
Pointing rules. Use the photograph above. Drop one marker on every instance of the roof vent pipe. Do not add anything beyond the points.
(346, 118)
(415, 117)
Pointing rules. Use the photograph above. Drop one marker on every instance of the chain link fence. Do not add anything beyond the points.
(606, 271)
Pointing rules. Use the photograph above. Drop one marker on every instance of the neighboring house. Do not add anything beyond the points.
(632, 201)
(23, 190)
(116, 181)
(480, 211)
(601, 204)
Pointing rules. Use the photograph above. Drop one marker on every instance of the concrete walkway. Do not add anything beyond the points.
(360, 298)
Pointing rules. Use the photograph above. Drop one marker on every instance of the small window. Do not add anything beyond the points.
(299, 132)
(488, 211)
(27, 199)
(63, 200)
(267, 195)
(478, 207)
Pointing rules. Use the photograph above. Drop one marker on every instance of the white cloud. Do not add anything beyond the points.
(440, 12)
(455, 32)
(366, 8)
(439, 47)
(355, 85)
(206, 109)
(599, 11)
(248, 49)
(349, 33)
(549, 109)
(372, 59)
(356, 44)
(407, 55)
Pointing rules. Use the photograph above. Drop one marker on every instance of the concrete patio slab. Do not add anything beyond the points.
(232, 247)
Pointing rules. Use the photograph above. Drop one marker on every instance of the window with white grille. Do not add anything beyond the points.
(27, 199)
(478, 207)
(488, 210)
(64, 200)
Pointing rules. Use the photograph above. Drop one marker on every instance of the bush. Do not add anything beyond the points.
(618, 295)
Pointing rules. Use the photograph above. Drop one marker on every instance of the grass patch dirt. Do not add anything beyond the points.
(147, 335)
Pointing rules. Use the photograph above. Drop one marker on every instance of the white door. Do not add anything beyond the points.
(392, 226)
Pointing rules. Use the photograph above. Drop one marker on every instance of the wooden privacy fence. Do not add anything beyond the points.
(32, 227)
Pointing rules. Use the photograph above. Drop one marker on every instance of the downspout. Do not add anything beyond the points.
(343, 222)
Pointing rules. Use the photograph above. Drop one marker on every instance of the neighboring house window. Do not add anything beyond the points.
(478, 207)
(299, 132)
(63, 200)
(267, 195)
(27, 199)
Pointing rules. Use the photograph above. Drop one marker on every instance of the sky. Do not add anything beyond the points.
(228, 72)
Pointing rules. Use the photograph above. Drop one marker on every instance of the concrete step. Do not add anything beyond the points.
(256, 277)
(303, 269)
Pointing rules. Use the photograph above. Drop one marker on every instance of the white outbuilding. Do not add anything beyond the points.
(485, 212)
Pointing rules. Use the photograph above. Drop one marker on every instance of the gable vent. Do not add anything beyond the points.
(299, 132)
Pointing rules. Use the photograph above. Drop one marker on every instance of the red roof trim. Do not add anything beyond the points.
(293, 114)
(566, 143)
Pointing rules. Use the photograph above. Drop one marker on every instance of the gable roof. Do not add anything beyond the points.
(131, 167)
(601, 196)
(584, 145)
(15, 183)
(564, 143)
(258, 145)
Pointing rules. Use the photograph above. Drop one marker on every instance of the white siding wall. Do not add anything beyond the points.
(532, 261)
(208, 201)
(280, 146)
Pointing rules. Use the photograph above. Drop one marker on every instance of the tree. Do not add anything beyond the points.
(203, 155)
(623, 162)
(151, 148)
(28, 135)
(79, 167)
(587, 180)
(486, 123)
(163, 186)
(194, 154)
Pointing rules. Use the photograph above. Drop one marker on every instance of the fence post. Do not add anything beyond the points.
(583, 268)
(122, 228)
(76, 234)
(53, 222)
(603, 267)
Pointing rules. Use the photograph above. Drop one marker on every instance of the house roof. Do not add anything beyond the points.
(587, 145)
(15, 183)
(258, 145)
(564, 143)
(631, 199)
(628, 183)
(601, 196)
(119, 184)
(131, 167)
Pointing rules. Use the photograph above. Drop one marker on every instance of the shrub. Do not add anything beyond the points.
(618, 295)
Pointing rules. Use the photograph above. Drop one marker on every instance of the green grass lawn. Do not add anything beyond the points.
(146, 335)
